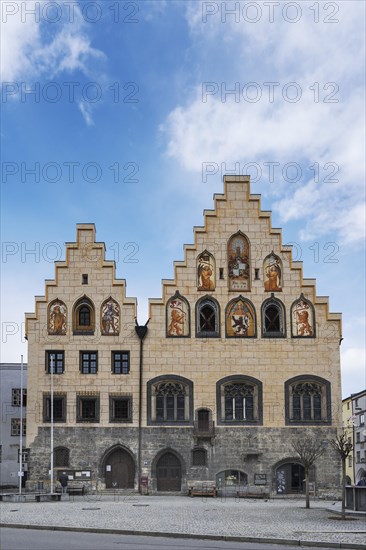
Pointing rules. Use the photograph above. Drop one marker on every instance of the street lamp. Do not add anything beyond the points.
(51, 465)
(20, 473)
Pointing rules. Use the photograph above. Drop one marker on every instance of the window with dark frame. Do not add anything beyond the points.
(199, 457)
(207, 318)
(88, 362)
(120, 362)
(16, 398)
(239, 402)
(87, 409)
(84, 317)
(170, 402)
(59, 408)
(58, 358)
(120, 409)
(61, 457)
(306, 402)
(256, 274)
(273, 319)
(15, 426)
(84, 279)
(221, 273)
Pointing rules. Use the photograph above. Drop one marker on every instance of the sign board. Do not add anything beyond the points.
(108, 468)
(260, 479)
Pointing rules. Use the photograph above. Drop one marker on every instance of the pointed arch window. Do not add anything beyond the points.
(170, 400)
(84, 316)
(307, 400)
(273, 318)
(239, 400)
(207, 318)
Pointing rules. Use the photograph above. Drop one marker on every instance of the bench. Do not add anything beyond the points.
(202, 489)
(41, 497)
(253, 492)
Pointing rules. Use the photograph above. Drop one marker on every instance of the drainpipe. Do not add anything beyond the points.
(141, 331)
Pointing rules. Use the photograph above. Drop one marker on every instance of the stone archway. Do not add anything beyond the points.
(119, 469)
(289, 477)
(169, 472)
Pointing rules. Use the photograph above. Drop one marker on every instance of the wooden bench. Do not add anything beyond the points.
(202, 489)
(253, 492)
(41, 497)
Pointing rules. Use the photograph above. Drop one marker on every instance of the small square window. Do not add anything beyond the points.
(25, 455)
(88, 362)
(16, 397)
(59, 408)
(84, 279)
(87, 409)
(199, 457)
(120, 409)
(120, 362)
(55, 360)
(15, 426)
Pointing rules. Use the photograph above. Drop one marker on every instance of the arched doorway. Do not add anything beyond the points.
(119, 470)
(169, 473)
(290, 478)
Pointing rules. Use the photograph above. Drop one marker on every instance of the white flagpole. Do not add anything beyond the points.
(20, 473)
(51, 469)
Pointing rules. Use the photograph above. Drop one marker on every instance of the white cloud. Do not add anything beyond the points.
(306, 131)
(85, 109)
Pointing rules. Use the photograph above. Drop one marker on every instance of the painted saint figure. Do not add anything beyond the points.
(206, 271)
(57, 318)
(110, 317)
(273, 273)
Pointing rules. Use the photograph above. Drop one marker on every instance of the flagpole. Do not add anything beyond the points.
(51, 465)
(20, 473)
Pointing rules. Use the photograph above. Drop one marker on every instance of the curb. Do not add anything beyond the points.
(228, 538)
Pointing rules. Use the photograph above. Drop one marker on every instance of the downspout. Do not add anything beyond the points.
(141, 331)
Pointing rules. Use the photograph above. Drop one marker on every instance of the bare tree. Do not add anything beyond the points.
(309, 450)
(344, 447)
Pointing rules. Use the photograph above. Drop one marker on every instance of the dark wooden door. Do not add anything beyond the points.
(121, 474)
(169, 473)
(203, 417)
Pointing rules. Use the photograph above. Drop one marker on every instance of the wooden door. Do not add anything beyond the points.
(120, 470)
(169, 473)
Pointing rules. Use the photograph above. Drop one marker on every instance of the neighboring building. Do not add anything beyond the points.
(359, 411)
(11, 406)
(239, 359)
(348, 425)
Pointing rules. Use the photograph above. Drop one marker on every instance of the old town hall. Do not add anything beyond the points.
(239, 359)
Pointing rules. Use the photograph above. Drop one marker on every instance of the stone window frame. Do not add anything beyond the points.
(16, 398)
(208, 300)
(194, 453)
(179, 296)
(81, 360)
(79, 400)
(77, 327)
(57, 369)
(151, 410)
(47, 407)
(242, 298)
(258, 400)
(273, 301)
(127, 398)
(113, 360)
(326, 400)
(15, 427)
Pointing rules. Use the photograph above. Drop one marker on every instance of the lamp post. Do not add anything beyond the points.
(20, 473)
(51, 465)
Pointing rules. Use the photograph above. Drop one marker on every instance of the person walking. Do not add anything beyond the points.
(64, 480)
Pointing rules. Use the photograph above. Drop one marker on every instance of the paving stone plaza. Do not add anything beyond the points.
(274, 519)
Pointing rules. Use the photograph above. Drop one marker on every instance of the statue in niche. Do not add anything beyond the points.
(238, 263)
(205, 271)
(302, 318)
(177, 316)
(273, 273)
(57, 318)
(110, 317)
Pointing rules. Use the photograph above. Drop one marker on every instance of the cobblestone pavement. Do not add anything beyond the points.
(275, 519)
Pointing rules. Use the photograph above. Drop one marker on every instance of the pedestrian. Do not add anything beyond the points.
(64, 480)
(362, 482)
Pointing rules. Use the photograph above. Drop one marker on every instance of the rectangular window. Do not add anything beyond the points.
(306, 401)
(1, 453)
(296, 405)
(16, 397)
(358, 456)
(25, 455)
(228, 407)
(84, 279)
(160, 408)
(87, 409)
(362, 419)
(348, 406)
(358, 436)
(170, 407)
(249, 408)
(120, 409)
(317, 403)
(349, 461)
(120, 362)
(59, 408)
(55, 360)
(15, 426)
(180, 407)
(239, 408)
(88, 362)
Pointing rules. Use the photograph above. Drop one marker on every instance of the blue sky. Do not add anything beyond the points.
(151, 85)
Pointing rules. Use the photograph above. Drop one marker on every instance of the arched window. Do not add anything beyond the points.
(239, 400)
(178, 317)
(307, 400)
(170, 400)
(199, 457)
(61, 457)
(273, 318)
(238, 258)
(57, 317)
(302, 318)
(240, 319)
(207, 318)
(84, 316)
